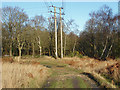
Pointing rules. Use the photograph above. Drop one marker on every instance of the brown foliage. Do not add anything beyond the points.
(110, 58)
(90, 65)
(7, 59)
(41, 70)
(112, 71)
(35, 63)
(30, 75)
(71, 62)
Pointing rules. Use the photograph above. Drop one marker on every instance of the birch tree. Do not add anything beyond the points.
(99, 33)
(38, 23)
(67, 28)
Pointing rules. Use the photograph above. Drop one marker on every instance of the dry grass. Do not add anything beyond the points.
(15, 75)
(0, 72)
(112, 73)
(88, 64)
(110, 68)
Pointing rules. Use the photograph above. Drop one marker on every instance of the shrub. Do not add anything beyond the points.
(7, 59)
(71, 54)
(80, 56)
(37, 56)
(76, 53)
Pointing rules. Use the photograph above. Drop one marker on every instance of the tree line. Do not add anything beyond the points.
(22, 35)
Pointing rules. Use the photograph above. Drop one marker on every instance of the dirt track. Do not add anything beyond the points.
(66, 77)
(87, 64)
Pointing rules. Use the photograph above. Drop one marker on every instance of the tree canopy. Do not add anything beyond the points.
(22, 35)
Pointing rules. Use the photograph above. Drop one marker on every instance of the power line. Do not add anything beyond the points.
(47, 6)
(62, 3)
(51, 3)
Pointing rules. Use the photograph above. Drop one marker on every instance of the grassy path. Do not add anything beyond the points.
(64, 76)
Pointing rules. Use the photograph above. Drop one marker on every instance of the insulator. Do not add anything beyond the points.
(63, 13)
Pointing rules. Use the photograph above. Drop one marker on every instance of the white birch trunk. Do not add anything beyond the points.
(39, 45)
(10, 49)
(74, 46)
(40, 50)
(109, 50)
(105, 46)
(19, 52)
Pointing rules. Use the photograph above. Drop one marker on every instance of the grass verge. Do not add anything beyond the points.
(100, 80)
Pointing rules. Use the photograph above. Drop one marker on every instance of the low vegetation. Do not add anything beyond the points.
(112, 74)
(16, 75)
(106, 73)
(36, 72)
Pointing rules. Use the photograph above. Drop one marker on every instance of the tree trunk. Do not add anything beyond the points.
(20, 45)
(74, 46)
(28, 52)
(104, 48)
(94, 50)
(19, 52)
(65, 45)
(10, 49)
(40, 50)
(28, 49)
(33, 46)
(39, 44)
(49, 52)
(109, 50)
(1, 49)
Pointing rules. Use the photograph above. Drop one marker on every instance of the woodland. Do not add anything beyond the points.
(35, 36)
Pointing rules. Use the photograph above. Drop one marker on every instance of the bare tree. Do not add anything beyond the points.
(38, 23)
(20, 29)
(9, 16)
